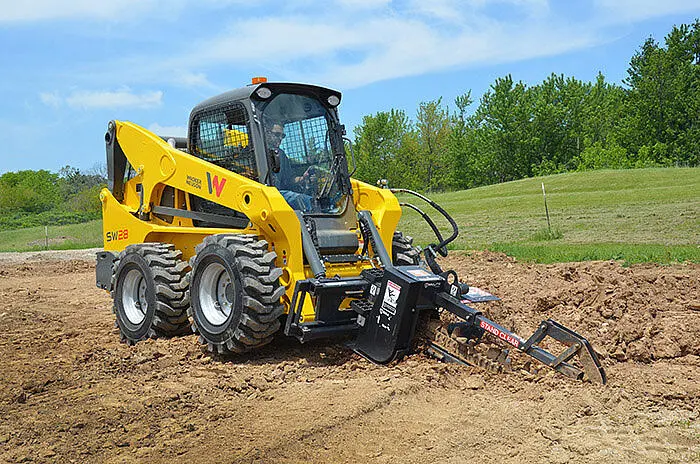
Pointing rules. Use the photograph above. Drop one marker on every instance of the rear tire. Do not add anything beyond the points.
(235, 293)
(403, 253)
(150, 292)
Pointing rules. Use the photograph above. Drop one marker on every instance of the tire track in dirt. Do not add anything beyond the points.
(278, 451)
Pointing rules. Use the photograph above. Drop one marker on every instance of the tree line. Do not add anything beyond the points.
(562, 124)
(32, 198)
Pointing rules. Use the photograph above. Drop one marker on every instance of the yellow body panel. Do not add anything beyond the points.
(158, 164)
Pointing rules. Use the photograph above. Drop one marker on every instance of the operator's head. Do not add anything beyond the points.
(275, 135)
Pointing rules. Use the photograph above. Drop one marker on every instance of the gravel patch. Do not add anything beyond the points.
(13, 257)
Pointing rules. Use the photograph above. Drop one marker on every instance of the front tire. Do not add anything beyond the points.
(150, 292)
(403, 253)
(235, 293)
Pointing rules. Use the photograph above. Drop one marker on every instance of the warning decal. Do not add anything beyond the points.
(419, 273)
(391, 294)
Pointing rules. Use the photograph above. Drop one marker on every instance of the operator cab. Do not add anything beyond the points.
(298, 139)
(287, 136)
(283, 135)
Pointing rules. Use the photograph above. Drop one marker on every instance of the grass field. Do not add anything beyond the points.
(633, 215)
(642, 215)
(73, 236)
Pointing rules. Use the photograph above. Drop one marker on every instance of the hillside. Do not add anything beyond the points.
(633, 215)
(629, 214)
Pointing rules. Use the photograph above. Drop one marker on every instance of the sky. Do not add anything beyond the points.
(68, 67)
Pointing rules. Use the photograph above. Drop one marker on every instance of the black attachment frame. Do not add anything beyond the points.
(577, 346)
(329, 321)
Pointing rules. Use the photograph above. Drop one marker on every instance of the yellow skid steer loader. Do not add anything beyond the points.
(253, 225)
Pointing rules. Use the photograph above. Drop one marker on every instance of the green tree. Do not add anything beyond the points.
(462, 155)
(383, 147)
(433, 128)
(29, 191)
(663, 104)
(503, 132)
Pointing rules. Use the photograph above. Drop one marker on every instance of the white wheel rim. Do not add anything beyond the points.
(134, 296)
(216, 294)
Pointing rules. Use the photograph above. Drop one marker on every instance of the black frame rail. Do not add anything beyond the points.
(577, 346)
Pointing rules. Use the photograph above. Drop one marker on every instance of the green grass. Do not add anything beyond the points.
(628, 253)
(85, 235)
(636, 215)
(640, 215)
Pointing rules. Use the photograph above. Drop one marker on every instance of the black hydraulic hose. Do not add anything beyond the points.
(365, 218)
(455, 229)
(430, 222)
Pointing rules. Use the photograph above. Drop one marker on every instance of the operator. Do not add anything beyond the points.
(285, 181)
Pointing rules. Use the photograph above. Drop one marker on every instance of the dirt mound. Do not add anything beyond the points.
(67, 267)
(641, 313)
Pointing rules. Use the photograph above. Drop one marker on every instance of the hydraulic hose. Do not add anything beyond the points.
(440, 247)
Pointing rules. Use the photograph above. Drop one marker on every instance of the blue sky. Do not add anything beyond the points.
(70, 66)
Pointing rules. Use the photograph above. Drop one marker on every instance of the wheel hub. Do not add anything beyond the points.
(216, 293)
(134, 296)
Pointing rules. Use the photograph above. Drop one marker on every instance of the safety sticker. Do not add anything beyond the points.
(477, 295)
(391, 294)
(418, 273)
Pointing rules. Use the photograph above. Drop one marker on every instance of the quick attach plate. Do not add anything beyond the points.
(389, 328)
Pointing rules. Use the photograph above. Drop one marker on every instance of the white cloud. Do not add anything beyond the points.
(57, 9)
(349, 53)
(51, 99)
(85, 99)
(42, 10)
(446, 10)
(192, 79)
(363, 4)
(119, 99)
(350, 43)
(170, 131)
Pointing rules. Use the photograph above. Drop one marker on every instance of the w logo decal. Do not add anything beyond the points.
(215, 185)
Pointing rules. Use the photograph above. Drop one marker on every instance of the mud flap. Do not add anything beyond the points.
(103, 269)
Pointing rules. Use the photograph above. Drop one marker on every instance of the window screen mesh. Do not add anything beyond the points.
(306, 141)
(222, 137)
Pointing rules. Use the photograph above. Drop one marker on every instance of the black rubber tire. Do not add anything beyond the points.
(403, 253)
(253, 294)
(166, 290)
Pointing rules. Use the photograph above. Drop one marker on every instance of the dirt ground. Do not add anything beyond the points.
(70, 392)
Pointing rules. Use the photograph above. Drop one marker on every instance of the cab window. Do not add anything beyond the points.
(221, 136)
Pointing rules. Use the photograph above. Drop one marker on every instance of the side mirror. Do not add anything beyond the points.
(273, 159)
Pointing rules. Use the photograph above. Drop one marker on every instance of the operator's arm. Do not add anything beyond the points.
(284, 179)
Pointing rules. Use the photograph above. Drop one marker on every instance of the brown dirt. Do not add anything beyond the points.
(70, 392)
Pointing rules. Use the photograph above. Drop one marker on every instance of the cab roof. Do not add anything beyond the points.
(248, 92)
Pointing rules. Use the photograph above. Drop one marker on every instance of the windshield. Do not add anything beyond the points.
(297, 127)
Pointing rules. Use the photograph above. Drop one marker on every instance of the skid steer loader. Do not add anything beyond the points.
(253, 224)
